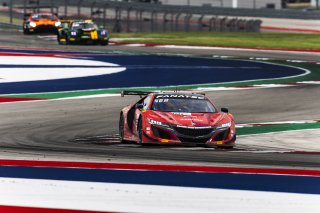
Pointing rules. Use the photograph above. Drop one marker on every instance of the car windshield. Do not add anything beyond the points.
(43, 16)
(84, 25)
(183, 105)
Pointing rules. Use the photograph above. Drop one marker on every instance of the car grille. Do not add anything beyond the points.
(44, 28)
(222, 135)
(160, 133)
(193, 132)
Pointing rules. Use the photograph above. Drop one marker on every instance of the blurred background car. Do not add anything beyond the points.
(40, 22)
(82, 31)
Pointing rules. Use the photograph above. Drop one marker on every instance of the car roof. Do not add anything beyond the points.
(179, 94)
(43, 13)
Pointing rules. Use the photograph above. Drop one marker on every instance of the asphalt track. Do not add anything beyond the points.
(48, 129)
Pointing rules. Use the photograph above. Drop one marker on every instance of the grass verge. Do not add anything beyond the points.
(276, 128)
(226, 39)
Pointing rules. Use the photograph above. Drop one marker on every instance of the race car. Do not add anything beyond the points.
(40, 22)
(82, 31)
(176, 118)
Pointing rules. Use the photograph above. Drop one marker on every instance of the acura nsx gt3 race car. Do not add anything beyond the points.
(82, 31)
(40, 22)
(176, 118)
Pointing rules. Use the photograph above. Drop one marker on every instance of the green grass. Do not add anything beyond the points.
(6, 19)
(276, 128)
(231, 39)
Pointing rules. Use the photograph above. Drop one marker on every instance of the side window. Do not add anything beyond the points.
(146, 102)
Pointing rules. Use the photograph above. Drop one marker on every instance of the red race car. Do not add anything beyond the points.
(176, 118)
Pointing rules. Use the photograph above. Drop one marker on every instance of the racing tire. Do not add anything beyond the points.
(227, 147)
(26, 31)
(67, 40)
(59, 41)
(104, 43)
(121, 130)
(140, 131)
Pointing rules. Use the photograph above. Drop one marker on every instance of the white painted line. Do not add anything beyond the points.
(134, 45)
(51, 61)
(308, 82)
(14, 74)
(148, 198)
(90, 96)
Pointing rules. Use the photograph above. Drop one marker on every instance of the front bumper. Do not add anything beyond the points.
(88, 37)
(43, 29)
(209, 136)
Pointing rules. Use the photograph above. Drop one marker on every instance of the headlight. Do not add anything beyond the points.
(225, 125)
(33, 24)
(73, 33)
(103, 32)
(57, 24)
(159, 123)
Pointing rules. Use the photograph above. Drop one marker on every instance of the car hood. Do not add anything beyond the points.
(88, 29)
(187, 119)
(45, 22)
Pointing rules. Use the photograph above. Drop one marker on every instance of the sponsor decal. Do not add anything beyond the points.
(195, 127)
(161, 100)
(180, 96)
(182, 113)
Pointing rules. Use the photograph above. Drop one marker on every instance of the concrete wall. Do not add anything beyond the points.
(226, 3)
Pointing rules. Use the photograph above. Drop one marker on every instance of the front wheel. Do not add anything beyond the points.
(25, 31)
(61, 40)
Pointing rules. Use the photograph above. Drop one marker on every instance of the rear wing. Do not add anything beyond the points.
(140, 93)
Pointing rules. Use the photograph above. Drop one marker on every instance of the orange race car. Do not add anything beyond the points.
(40, 22)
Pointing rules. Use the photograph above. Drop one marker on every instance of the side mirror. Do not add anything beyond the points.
(139, 106)
(225, 110)
(26, 16)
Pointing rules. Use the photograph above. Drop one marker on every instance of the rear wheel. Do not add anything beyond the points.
(104, 43)
(140, 131)
(121, 130)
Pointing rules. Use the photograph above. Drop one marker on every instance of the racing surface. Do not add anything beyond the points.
(51, 128)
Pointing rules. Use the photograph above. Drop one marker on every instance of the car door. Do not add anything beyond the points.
(140, 106)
